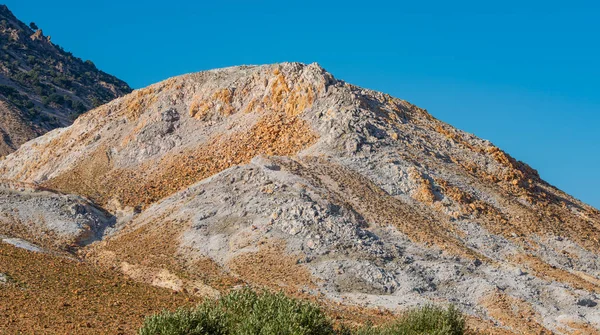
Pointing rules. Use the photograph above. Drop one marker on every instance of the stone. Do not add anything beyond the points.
(586, 302)
(4, 279)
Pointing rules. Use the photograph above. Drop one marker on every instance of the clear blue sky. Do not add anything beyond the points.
(523, 74)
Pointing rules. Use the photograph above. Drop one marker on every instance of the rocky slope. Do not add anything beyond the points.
(286, 177)
(43, 87)
(57, 220)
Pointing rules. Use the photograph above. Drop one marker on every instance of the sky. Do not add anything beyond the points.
(522, 74)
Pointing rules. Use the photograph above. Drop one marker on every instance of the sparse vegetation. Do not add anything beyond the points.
(264, 313)
(19, 100)
(41, 68)
(430, 320)
(64, 296)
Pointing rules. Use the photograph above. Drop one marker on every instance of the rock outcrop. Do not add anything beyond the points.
(56, 220)
(283, 176)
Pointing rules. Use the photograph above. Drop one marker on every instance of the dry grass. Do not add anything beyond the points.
(546, 271)
(514, 314)
(55, 295)
(150, 253)
(273, 267)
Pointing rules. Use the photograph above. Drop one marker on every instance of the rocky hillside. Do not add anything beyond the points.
(42, 86)
(283, 176)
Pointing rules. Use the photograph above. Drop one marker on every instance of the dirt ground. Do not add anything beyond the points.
(47, 294)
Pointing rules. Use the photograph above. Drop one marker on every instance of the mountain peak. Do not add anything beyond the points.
(5, 12)
(346, 193)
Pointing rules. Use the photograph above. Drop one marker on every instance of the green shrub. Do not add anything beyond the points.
(79, 107)
(18, 99)
(203, 320)
(246, 312)
(428, 320)
(266, 313)
(243, 312)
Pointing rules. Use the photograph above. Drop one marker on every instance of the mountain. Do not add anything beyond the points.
(43, 87)
(286, 177)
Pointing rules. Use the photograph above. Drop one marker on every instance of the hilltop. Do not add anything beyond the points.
(284, 176)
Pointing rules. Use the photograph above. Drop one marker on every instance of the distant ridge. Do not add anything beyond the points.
(42, 86)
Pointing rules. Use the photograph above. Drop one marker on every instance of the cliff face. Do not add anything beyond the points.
(43, 87)
(283, 176)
